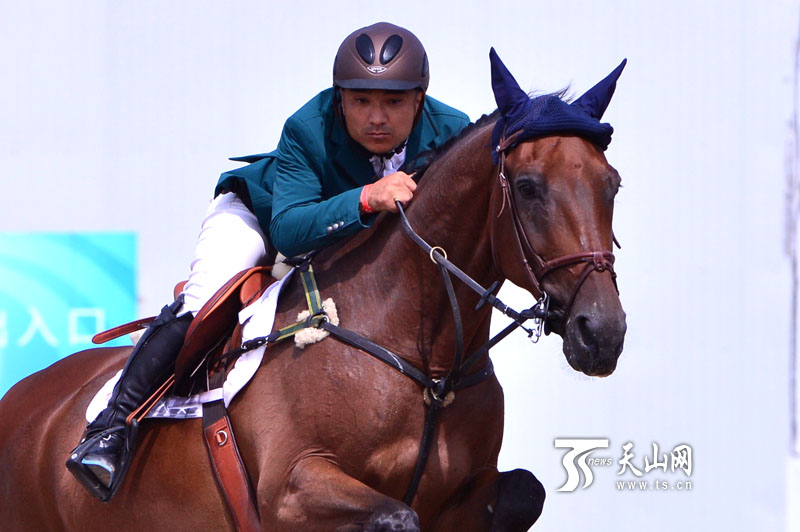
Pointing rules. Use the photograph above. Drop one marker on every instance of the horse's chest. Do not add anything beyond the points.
(369, 418)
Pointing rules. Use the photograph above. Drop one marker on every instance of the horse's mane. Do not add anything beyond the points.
(424, 160)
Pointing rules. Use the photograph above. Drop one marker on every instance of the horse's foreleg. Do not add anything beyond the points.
(519, 501)
(496, 502)
(320, 496)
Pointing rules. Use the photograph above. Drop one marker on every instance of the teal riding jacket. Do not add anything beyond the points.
(306, 193)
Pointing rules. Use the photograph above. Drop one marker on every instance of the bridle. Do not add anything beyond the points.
(594, 261)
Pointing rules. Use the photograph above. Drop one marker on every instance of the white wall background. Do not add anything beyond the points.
(120, 116)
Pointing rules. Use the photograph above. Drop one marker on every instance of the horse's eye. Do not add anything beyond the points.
(528, 188)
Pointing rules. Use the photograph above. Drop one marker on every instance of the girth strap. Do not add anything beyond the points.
(228, 467)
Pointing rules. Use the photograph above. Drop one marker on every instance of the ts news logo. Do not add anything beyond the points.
(581, 449)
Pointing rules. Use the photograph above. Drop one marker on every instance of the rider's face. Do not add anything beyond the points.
(380, 120)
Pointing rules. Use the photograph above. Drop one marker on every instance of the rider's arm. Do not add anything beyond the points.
(302, 217)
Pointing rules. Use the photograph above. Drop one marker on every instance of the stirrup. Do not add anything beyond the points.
(86, 471)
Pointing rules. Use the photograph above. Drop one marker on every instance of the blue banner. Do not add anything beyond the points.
(57, 290)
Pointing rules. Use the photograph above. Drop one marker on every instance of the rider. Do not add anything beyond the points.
(339, 162)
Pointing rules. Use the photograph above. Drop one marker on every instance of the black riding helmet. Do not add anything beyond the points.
(385, 57)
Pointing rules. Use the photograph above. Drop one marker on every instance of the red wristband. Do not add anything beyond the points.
(364, 205)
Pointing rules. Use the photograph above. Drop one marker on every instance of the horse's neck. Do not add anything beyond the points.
(397, 297)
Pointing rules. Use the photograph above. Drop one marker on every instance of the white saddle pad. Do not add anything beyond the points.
(257, 320)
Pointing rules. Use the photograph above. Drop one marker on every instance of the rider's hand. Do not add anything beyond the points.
(382, 194)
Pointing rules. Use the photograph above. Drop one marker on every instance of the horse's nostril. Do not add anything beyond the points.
(588, 334)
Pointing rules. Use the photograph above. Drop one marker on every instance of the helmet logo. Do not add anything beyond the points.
(376, 69)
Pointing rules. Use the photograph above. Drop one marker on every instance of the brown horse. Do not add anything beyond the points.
(330, 435)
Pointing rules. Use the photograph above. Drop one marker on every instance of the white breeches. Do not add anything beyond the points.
(230, 241)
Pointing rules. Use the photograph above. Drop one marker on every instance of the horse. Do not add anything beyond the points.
(329, 435)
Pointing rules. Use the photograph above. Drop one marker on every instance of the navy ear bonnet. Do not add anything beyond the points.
(549, 115)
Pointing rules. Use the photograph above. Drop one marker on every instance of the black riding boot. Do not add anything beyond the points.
(101, 459)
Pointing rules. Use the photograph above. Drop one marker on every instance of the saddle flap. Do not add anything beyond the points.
(216, 320)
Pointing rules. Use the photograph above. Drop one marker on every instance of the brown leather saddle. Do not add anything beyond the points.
(213, 332)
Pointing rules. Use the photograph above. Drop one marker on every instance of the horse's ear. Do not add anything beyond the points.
(507, 93)
(595, 100)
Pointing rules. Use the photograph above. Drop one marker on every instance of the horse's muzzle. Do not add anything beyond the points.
(593, 340)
